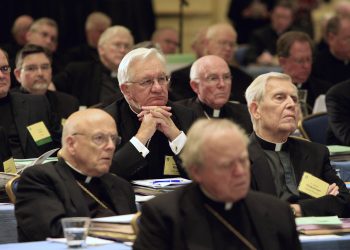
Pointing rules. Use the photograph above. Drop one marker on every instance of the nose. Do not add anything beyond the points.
(110, 144)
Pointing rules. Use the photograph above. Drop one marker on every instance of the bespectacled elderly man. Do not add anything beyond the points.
(217, 210)
(211, 80)
(152, 129)
(278, 160)
(95, 82)
(78, 185)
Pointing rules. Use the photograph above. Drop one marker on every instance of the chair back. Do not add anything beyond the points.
(11, 188)
(314, 127)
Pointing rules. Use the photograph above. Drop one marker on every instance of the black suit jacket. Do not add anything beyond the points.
(305, 156)
(233, 111)
(127, 161)
(180, 87)
(338, 107)
(46, 193)
(30, 109)
(5, 151)
(329, 68)
(84, 81)
(178, 220)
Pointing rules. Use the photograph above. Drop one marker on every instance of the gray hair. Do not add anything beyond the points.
(113, 31)
(192, 155)
(43, 21)
(256, 90)
(125, 71)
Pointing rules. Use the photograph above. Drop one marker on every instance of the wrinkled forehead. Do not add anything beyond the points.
(3, 58)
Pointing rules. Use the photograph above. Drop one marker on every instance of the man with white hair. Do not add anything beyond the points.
(95, 82)
(278, 160)
(220, 40)
(78, 185)
(152, 129)
(217, 210)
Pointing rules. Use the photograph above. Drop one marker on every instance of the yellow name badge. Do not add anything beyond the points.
(170, 166)
(39, 133)
(313, 186)
(10, 166)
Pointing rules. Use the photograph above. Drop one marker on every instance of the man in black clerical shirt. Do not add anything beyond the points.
(211, 80)
(34, 73)
(152, 129)
(27, 119)
(95, 82)
(216, 211)
(279, 161)
(79, 184)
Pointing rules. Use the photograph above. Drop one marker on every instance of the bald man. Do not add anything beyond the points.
(211, 80)
(79, 184)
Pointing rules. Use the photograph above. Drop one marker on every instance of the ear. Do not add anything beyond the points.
(194, 85)
(125, 89)
(100, 49)
(194, 173)
(255, 110)
(70, 145)
(17, 74)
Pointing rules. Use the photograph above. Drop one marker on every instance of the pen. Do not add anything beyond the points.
(166, 181)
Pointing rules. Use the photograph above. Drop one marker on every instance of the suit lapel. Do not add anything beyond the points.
(263, 229)
(75, 194)
(21, 117)
(196, 227)
(298, 158)
(262, 179)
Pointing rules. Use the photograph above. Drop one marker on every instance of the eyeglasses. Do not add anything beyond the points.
(223, 43)
(125, 46)
(6, 69)
(45, 34)
(34, 68)
(147, 83)
(215, 79)
(102, 139)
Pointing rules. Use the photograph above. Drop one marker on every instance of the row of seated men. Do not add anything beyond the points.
(153, 134)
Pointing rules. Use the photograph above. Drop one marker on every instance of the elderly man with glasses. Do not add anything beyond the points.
(152, 129)
(211, 80)
(78, 185)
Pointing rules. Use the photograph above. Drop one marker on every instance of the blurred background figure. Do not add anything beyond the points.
(167, 39)
(96, 23)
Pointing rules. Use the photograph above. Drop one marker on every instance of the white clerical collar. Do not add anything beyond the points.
(228, 205)
(88, 178)
(267, 145)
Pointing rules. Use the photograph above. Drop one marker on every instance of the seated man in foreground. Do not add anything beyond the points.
(279, 161)
(217, 210)
(78, 185)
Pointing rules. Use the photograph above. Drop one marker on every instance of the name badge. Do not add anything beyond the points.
(170, 167)
(313, 186)
(39, 133)
(9, 166)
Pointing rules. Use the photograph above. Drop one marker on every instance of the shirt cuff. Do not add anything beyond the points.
(139, 146)
(178, 143)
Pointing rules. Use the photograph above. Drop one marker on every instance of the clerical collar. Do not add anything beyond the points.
(209, 112)
(266, 145)
(87, 179)
(114, 74)
(228, 205)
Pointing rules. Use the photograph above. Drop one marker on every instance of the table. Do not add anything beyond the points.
(8, 230)
(325, 242)
(46, 245)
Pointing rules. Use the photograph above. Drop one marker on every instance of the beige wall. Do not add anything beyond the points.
(199, 13)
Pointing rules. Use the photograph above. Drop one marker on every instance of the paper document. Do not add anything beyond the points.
(116, 219)
(161, 183)
(90, 241)
(318, 220)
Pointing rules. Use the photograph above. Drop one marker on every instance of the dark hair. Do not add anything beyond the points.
(285, 42)
(30, 49)
(285, 4)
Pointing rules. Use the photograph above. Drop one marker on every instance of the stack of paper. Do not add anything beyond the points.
(158, 186)
(117, 228)
(339, 153)
(322, 225)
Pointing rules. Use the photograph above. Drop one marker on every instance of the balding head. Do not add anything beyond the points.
(88, 141)
(20, 28)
